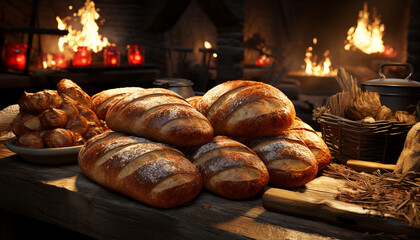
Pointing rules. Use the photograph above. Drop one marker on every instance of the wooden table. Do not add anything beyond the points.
(62, 196)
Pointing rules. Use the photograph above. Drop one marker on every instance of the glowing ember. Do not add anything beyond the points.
(319, 69)
(367, 36)
(88, 36)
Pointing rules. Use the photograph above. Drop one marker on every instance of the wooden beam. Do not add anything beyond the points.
(219, 13)
(165, 15)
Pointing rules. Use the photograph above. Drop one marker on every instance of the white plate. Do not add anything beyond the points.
(46, 156)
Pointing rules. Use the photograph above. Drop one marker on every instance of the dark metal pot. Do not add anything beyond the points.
(397, 94)
(179, 85)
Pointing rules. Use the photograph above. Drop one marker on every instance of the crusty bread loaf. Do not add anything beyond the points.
(195, 102)
(247, 109)
(289, 161)
(152, 173)
(314, 142)
(102, 101)
(229, 168)
(160, 115)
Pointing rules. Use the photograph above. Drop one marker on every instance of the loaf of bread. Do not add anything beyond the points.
(289, 161)
(160, 115)
(247, 109)
(314, 142)
(152, 173)
(195, 102)
(102, 101)
(71, 89)
(229, 168)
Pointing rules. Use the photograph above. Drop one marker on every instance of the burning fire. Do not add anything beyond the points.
(367, 36)
(88, 36)
(320, 69)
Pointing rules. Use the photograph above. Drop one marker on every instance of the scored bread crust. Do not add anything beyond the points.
(160, 115)
(314, 142)
(102, 101)
(289, 161)
(247, 109)
(152, 173)
(229, 168)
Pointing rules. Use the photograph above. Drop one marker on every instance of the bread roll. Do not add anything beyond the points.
(60, 137)
(102, 101)
(71, 89)
(53, 118)
(289, 161)
(247, 109)
(78, 124)
(229, 168)
(40, 101)
(30, 140)
(26, 122)
(69, 106)
(314, 142)
(160, 115)
(149, 172)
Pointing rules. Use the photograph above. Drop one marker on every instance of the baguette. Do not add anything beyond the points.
(247, 109)
(314, 142)
(102, 101)
(152, 173)
(160, 115)
(229, 168)
(289, 161)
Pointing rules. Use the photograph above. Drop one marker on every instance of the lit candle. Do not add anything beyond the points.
(82, 57)
(15, 56)
(135, 55)
(110, 56)
(59, 60)
(262, 60)
(43, 61)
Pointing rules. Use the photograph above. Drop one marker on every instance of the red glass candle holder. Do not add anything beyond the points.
(262, 60)
(135, 55)
(59, 60)
(82, 57)
(111, 57)
(14, 56)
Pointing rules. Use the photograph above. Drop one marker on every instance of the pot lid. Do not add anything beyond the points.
(391, 82)
(173, 82)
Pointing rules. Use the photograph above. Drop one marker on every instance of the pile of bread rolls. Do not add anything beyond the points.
(163, 149)
(56, 118)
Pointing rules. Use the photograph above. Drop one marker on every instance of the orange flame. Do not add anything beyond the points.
(367, 36)
(320, 69)
(88, 36)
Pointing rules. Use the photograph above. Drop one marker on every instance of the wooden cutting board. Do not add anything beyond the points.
(317, 201)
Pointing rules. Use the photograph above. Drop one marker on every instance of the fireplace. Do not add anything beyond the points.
(258, 40)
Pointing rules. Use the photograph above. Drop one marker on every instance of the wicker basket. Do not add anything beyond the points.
(381, 141)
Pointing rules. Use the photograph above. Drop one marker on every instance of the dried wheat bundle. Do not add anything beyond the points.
(385, 193)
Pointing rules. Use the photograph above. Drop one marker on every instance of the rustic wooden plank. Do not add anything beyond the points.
(64, 197)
